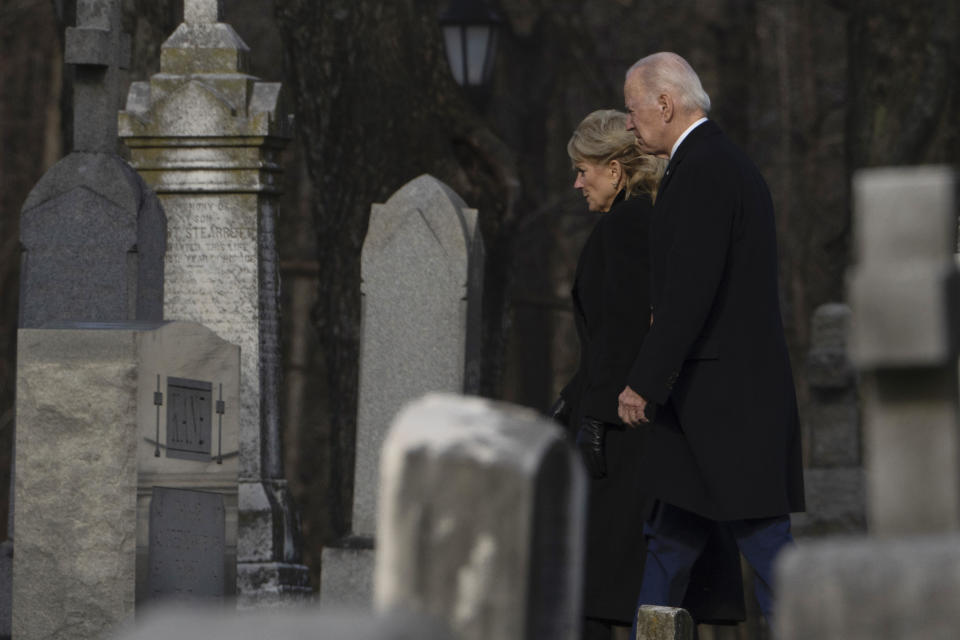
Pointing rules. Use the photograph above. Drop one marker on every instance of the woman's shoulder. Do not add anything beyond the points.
(630, 213)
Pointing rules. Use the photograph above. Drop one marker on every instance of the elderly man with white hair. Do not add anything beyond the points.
(724, 446)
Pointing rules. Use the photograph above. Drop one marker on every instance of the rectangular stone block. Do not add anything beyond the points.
(91, 423)
(913, 451)
(76, 484)
(863, 589)
(347, 577)
(836, 503)
(663, 623)
(904, 290)
(187, 545)
(904, 213)
(88, 45)
(912, 310)
(833, 422)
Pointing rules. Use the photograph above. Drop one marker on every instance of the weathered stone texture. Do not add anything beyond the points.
(481, 520)
(663, 623)
(76, 484)
(861, 589)
(292, 624)
(422, 268)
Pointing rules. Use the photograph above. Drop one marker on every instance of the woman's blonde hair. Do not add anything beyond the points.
(602, 136)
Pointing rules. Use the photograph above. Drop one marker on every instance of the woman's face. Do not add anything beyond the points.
(598, 183)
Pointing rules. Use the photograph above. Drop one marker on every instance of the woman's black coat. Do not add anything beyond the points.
(612, 312)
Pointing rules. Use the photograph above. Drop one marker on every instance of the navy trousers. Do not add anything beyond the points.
(676, 538)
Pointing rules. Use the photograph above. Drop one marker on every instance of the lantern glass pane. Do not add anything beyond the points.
(478, 40)
(453, 41)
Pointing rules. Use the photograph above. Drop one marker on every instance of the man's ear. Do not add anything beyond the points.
(666, 106)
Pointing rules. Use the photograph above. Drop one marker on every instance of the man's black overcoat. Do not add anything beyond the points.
(726, 442)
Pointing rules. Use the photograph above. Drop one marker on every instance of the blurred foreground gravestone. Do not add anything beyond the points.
(422, 276)
(207, 137)
(290, 624)
(98, 422)
(903, 581)
(481, 518)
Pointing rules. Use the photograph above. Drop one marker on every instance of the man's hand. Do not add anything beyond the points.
(632, 407)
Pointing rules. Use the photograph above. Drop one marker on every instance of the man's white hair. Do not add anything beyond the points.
(666, 72)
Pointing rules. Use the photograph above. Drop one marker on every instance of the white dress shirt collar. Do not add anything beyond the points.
(676, 145)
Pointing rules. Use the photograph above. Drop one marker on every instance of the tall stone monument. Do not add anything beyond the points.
(482, 512)
(207, 137)
(903, 581)
(422, 272)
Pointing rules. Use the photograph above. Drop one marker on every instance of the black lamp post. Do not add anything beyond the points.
(470, 29)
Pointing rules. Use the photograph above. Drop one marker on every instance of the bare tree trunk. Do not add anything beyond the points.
(904, 100)
(376, 106)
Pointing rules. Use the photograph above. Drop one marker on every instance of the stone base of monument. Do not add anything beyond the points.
(269, 571)
(348, 573)
(6, 587)
(876, 589)
(835, 503)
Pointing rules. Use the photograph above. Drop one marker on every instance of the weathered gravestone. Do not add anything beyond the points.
(422, 271)
(93, 235)
(903, 581)
(94, 408)
(292, 624)
(481, 520)
(207, 137)
(834, 475)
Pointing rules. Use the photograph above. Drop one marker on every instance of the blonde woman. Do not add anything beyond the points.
(612, 311)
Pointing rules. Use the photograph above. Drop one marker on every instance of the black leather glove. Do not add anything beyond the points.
(560, 411)
(590, 437)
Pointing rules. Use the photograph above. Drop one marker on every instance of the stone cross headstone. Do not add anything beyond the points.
(833, 475)
(481, 520)
(207, 137)
(93, 235)
(92, 399)
(906, 315)
(422, 273)
(904, 580)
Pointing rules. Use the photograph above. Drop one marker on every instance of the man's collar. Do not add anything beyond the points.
(676, 145)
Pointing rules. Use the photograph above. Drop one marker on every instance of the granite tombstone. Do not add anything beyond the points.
(422, 273)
